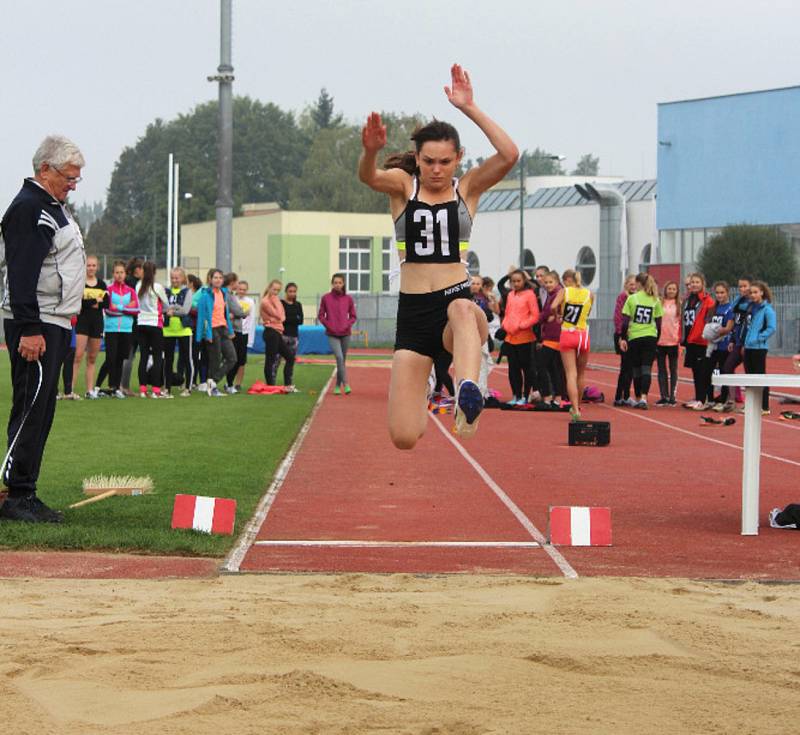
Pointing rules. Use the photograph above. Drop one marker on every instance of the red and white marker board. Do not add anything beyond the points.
(579, 526)
(201, 513)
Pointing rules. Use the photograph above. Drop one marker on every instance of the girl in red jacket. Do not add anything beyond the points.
(695, 312)
(522, 312)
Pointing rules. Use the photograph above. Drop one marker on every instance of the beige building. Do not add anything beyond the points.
(305, 247)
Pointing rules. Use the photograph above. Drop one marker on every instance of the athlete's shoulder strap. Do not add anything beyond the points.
(414, 188)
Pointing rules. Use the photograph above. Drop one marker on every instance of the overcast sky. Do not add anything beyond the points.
(573, 76)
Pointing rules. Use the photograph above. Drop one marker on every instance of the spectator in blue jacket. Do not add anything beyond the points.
(761, 327)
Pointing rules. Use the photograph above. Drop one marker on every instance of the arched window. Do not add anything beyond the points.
(586, 265)
(644, 258)
(528, 262)
(473, 264)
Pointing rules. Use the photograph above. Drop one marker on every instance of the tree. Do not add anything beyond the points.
(588, 165)
(538, 162)
(329, 180)
(268, 152)
(761, 251)
(321, 113)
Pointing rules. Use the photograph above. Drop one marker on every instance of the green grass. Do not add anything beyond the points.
(225, 447)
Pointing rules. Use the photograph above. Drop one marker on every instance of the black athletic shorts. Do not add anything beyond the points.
(90, 322)
(422, 317)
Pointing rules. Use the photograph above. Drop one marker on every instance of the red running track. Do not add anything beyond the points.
(674, 488)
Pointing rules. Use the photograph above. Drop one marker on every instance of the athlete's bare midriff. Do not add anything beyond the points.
(427, 277)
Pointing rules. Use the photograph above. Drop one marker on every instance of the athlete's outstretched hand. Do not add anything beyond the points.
(460, 93)
(373, 134)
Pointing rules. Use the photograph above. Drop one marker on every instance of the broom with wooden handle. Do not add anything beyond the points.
(100, 487)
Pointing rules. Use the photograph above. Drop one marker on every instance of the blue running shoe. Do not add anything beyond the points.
(469, 404)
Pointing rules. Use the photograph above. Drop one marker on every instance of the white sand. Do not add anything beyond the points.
(398, 654)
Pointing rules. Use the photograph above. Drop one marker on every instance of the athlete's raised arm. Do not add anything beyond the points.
(477, 180)
(393, 182)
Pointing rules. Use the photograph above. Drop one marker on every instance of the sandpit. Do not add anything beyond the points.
(398, 654)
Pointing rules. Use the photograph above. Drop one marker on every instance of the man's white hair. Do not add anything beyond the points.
(57, 151)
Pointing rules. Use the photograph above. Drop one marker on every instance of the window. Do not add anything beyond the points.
(473, 264)
(645, 257)
(528, 263)
(386, 261)
(586, 265)
(354, 262)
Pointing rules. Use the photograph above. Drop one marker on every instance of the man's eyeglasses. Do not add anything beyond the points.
(70, 179)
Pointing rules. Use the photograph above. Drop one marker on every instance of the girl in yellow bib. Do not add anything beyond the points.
(574, 303)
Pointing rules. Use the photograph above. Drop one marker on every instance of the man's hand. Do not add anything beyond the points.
(32, 348)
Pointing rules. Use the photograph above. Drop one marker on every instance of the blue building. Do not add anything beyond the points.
(726, 160)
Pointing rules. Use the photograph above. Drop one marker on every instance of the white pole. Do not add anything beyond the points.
(751, 470)
(169, 213)
(175, 191)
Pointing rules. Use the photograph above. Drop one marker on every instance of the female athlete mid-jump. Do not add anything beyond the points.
(433, 212)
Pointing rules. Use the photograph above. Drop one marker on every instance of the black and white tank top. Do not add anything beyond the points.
(433, 233)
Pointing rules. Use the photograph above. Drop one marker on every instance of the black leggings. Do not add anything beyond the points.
(699, 364)
(274, 346)
(68, 369)
(667, 356)
(625, 377)
(755, 363)
(551, 378)
(641, 353)
(441, 366)
(151, 342)
(716, 364)
(732, 361)
(519, 369)
(118, 347)
(185, 372)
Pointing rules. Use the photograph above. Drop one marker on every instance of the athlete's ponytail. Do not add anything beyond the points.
(406, 161)
(572, 275)
(648, 284)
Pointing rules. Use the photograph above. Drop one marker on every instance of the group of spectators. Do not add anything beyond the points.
(210, 325)
(715, 332)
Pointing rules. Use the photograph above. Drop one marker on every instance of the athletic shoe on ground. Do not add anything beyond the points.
(709, 405)
(60, 397)
(619, 402)
(555, 406)
(630, 402)
(73, 397)
(662, 402)
(469, 404)
(211, 386)
(92, 395)
(728, 407)
(347, 390)
(119, 394)
(142, 394)
(673, 402)
(185, 393)
(642, 405)
(337, 391)
(291, 389)
(202, 387)
(216, 393)
(718, 407)
(765, 412)
(230, 390)
(28, 508)
(772, 515)
(693, 405)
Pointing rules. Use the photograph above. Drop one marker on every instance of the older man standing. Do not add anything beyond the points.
(44, 266)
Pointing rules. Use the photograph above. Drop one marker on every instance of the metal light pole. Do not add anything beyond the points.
(522, 202)
(224, 203)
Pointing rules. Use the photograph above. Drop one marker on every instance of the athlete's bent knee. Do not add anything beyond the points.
(404, 440)
(460, 309)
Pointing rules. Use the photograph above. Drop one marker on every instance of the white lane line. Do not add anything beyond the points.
(784, 424)
(536, 534)
(236, 556)
(637, 415)
(401, 544)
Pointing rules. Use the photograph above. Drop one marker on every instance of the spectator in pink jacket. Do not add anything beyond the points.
(337, 313)
(522, 312)
(273, 316)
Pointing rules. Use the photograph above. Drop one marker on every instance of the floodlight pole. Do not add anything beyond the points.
(170, 174)
(521, 208)
(224, 203)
